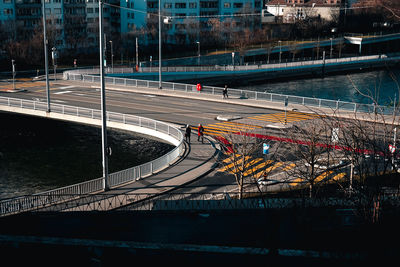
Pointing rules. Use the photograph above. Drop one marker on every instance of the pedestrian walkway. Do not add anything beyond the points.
(198, 160)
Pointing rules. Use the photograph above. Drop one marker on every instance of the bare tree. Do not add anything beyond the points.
(243, 158)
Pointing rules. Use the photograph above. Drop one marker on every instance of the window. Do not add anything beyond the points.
(8, 11)
(89, 10)
(180, 15)
(227, 5)
(152, 5)
(48, 11)
(168, 5)
(57, 11)
(7, 1)
(193, 5)
(237, 5)
(180, 5)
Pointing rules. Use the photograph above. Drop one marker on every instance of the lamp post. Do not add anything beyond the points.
(103, 100)
(137, 55)
(112, 57)
(159, 45)
(198, 53)
(46, 63)
(331, 48)
(13, 72)
(54, 58)
(280, 51)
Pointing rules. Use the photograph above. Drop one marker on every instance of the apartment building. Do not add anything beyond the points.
(73, 24)
(290, 11)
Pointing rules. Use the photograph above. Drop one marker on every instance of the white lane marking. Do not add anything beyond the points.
(59, 101)
(66, 87)
(63, 92)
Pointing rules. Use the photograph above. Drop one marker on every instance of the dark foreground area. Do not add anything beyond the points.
(282, 237)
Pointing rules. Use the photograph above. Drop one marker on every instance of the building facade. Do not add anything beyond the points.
(290, 11)
(73, 24)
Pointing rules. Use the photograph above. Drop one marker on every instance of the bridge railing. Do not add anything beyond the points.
(188, 201)
(19, 204)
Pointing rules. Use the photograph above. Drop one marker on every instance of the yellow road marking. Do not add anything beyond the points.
(227, 167)
(269, 169)
(288, 167)
(259, 166)
(338, 176)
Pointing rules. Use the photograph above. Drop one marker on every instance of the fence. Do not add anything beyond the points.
(184, 201)
(19, 204)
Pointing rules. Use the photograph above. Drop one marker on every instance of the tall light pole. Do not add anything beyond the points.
(54, 58)
(280, 51)
(46, 63)
(159, 45)
(103, 100)
(137, 55)
(198, 53)
(13, 72)
(331, 48)
(112, 57)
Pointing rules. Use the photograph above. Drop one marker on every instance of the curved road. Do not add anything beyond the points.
(177, 111)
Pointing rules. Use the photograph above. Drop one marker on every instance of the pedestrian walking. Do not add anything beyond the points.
(188, 131)
(225, 92)
(200, 133)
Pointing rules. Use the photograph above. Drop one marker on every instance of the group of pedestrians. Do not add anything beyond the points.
(200, 128)
(200, 133)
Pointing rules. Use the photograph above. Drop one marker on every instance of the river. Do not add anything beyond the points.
(382, 85)
(39, 154)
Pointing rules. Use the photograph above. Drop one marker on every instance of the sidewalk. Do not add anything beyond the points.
(198, 160)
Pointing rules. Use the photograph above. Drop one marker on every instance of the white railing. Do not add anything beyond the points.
(20, 204)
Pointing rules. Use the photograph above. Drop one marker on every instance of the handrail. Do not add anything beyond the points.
(20, 204)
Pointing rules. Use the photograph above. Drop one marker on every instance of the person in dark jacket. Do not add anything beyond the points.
(188, 131)
(225, 92)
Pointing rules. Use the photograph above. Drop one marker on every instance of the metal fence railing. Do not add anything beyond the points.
(20, 204)
(90, 76)
(183, 201)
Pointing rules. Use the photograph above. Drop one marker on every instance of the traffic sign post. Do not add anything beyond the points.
(286, 104)
(265, 149)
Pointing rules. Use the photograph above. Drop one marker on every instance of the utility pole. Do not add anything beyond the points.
(103, 101)
(13, 72)
(159, 45)
(54, 58)
(137, 55)
(46, 63)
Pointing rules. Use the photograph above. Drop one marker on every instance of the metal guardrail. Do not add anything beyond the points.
(182, 201)
(20, 204)
(337, 105)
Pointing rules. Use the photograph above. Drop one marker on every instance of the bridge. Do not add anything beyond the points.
(229, 74)
(182, 165)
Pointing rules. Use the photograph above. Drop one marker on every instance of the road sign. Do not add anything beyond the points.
(392, 148)
(265, 148)
(335, 135)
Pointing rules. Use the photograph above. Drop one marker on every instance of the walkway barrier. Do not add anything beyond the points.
(40, 200)
(191, 202)
(90, 76)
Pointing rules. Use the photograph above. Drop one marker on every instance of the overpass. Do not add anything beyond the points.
(167, 170)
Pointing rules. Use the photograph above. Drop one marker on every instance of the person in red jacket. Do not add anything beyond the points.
(200, 133)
